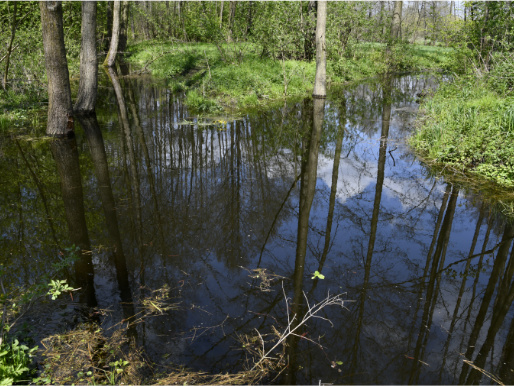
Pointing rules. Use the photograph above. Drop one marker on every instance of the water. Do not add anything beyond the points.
(235, 215)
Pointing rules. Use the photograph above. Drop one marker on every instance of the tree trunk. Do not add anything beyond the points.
(86, 98)
(109, 26)
(221, 14)
(397, 20)
(113, 49)
(60, 119)
(122, 42)
(321, 52)
(231, 18)
(9, 50)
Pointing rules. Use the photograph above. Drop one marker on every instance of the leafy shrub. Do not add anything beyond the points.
(501, 77)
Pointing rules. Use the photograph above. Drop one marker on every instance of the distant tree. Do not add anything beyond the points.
(86, 98)
(59, 94)
(321, 51)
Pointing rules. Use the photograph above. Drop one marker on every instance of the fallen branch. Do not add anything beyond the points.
(311, 313)
(486, 373)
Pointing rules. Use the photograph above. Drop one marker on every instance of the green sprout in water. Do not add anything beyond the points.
(318, 275)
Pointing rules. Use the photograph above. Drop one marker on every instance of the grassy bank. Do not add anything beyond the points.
(468, 127)
(237, 76)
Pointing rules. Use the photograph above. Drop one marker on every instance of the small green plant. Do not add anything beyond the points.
(117, 368)
(15, 360)
(57, 287)
(318, 275)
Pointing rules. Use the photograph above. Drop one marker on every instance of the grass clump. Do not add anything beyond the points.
(469, 127)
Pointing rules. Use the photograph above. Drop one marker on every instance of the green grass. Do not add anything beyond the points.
(236, 77)
(469, 127)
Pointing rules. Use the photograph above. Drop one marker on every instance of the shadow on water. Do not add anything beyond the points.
(225, 213)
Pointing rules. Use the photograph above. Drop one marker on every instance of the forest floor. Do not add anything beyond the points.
(237, 77)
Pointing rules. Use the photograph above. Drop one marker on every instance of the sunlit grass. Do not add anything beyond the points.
(470, 128)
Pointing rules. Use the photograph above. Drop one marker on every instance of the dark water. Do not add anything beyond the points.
(202, 206)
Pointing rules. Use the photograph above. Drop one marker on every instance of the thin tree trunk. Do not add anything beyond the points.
(113, 49)
(397, 20)
(124, 22)
(60, 119)
(9, 50)
(109, 26)
(88, 83)
(231, 18)
(320, 90)
(221, 14)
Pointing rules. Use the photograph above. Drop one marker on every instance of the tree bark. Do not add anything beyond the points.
(86, 98)
(122, 42)
(9, 50)
(108, 26)
(60, 119)
(113, 48)
(397, 20)
(320, 90)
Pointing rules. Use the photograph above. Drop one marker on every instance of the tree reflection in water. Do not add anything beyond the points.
(161, 196)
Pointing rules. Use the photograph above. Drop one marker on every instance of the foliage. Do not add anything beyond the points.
(57, 287)
(492, 27)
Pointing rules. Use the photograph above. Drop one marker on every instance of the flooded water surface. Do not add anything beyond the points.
(245, 222)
